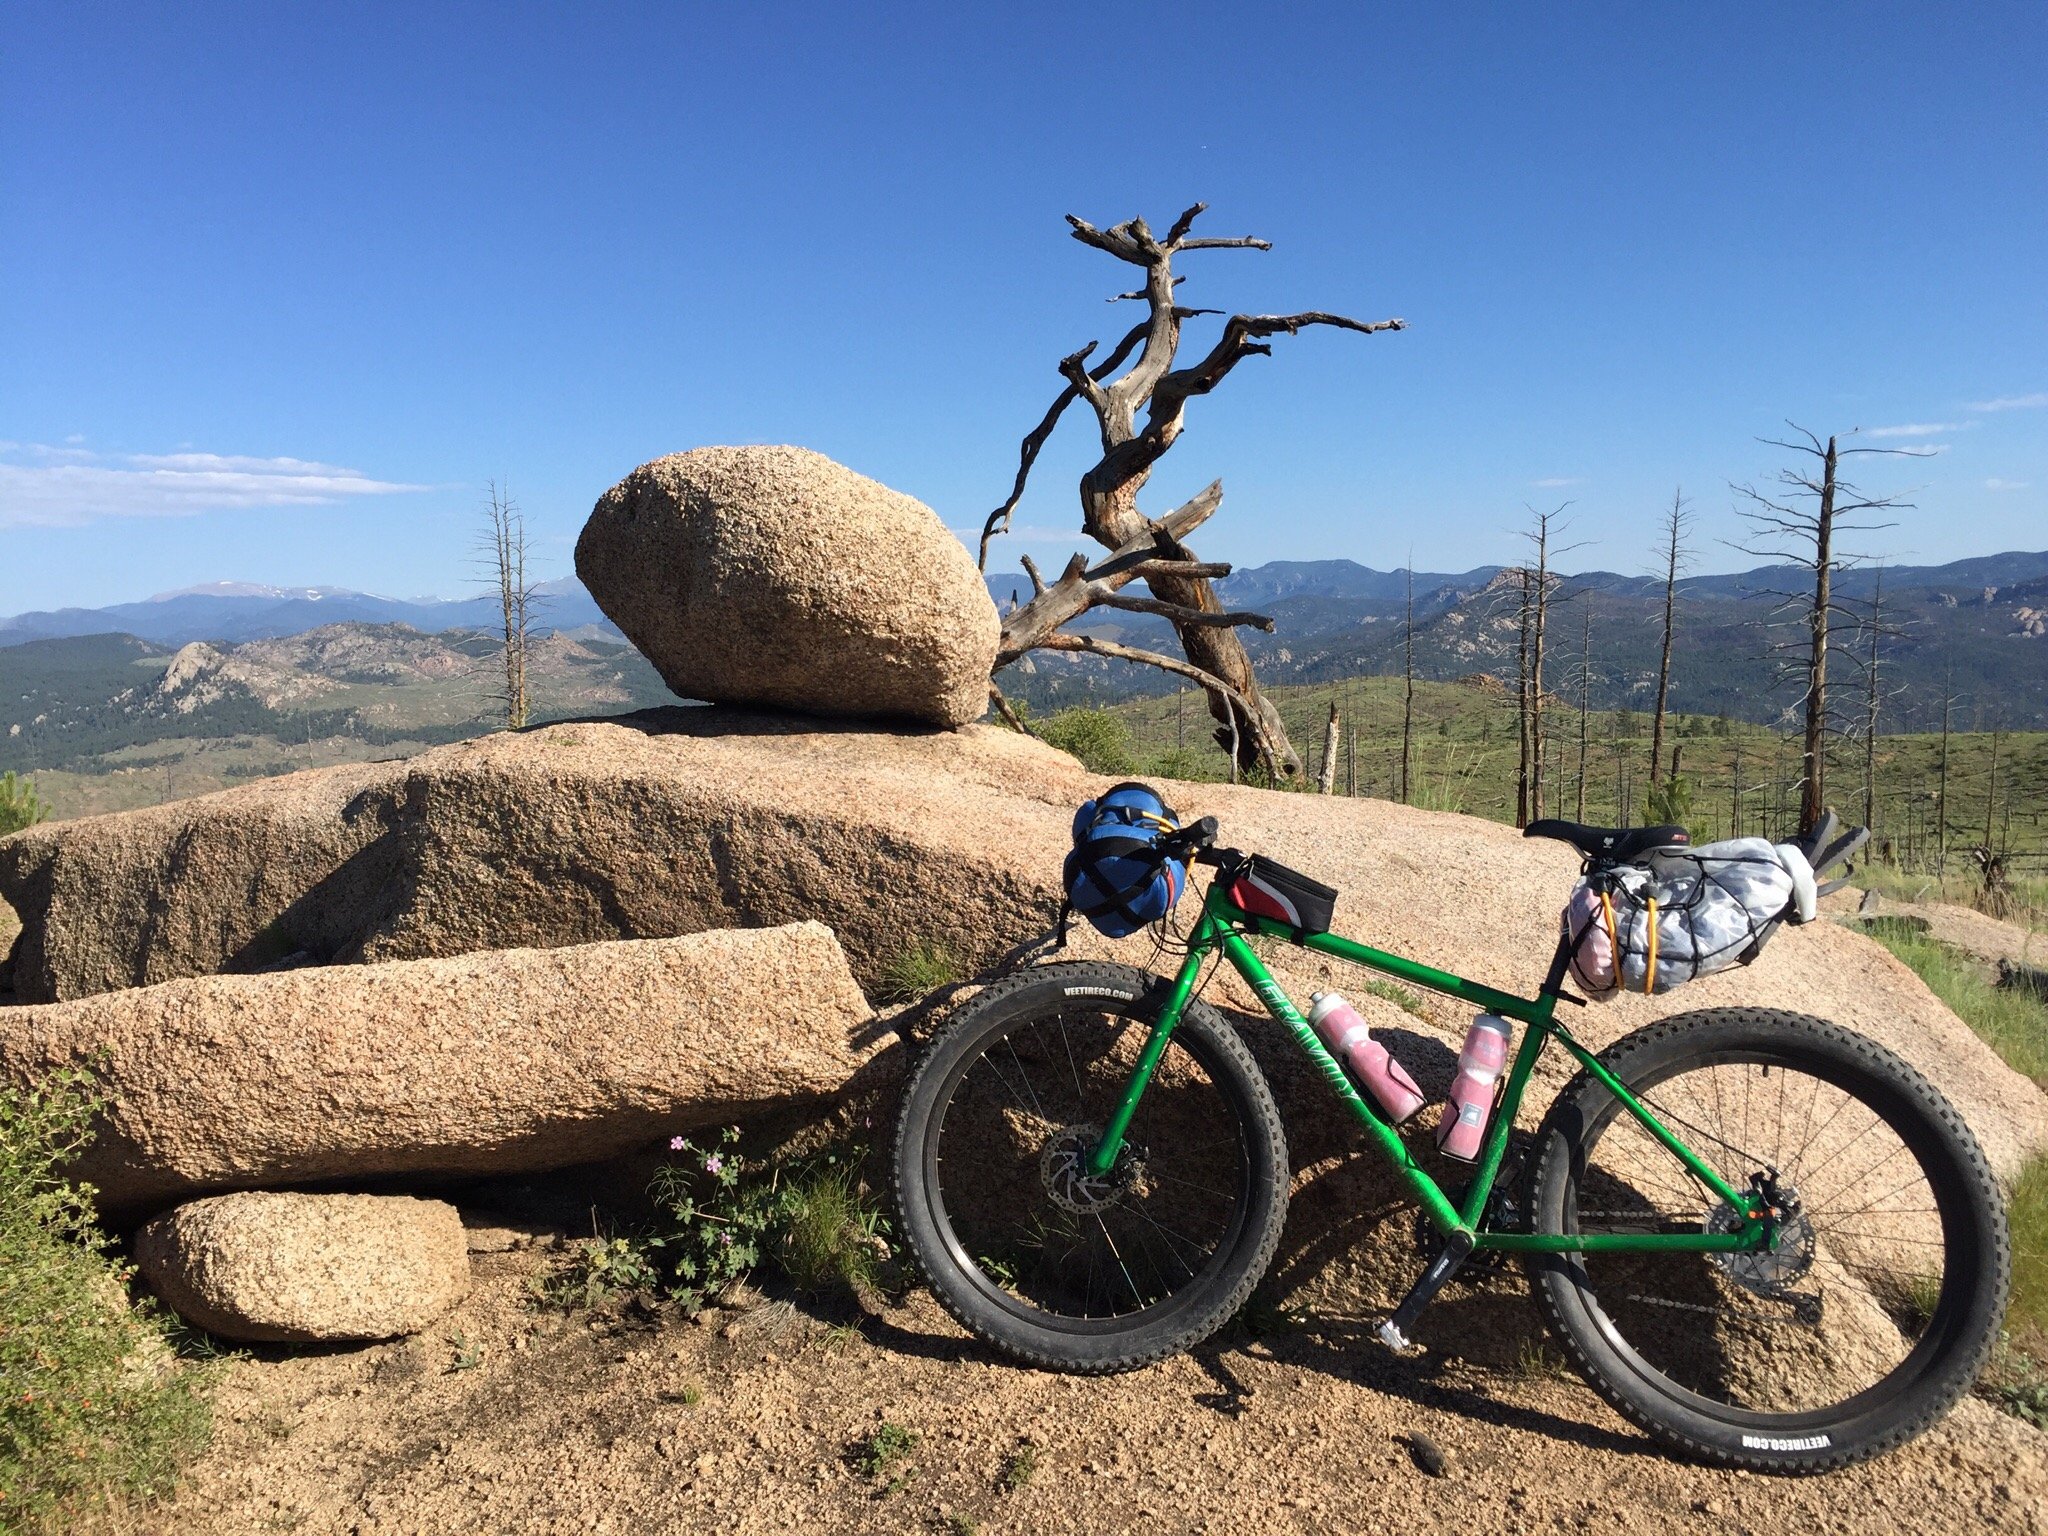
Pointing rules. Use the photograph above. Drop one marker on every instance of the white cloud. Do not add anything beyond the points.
(2011, 403)
(42, 486)
(1920, 429)
(1554, 482)
(1996, 484)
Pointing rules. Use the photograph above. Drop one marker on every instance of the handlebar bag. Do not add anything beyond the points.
(1116, 875)
(1267, 889)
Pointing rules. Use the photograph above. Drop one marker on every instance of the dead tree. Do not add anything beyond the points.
(1799, 525)
(1143, 548)
(1536, 583)
(1408, 681)
(1873, 629)
(1326, 781)
(1585, 701)
(1676, 558)
(505, 550)
(1948, 705)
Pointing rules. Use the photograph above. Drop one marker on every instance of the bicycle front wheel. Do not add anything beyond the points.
(1049, 1265)
(1870, 1315)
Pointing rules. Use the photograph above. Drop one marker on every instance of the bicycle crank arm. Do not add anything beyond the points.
(1456, 1250)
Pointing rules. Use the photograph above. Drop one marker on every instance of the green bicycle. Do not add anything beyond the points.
(1767, 1241)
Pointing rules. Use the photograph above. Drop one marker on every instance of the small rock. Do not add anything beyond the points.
(1426, 1454)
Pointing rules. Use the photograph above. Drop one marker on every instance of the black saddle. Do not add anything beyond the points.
(1610, 845)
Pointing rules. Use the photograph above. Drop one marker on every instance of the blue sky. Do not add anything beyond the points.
(282, 286)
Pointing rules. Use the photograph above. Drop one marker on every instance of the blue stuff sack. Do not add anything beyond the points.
(1117, 876)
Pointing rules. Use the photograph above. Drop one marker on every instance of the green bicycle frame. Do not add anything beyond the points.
(1224, 927)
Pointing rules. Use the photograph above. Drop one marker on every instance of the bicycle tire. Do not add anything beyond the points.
(1032, 1334)
(1960, 1325)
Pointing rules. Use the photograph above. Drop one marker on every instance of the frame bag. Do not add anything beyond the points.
(1683, 913)
(1266, 889)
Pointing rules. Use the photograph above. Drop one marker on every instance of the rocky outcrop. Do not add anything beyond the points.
(300, 1269)
(499, 1062)
(774, 576)
(673, 821)
(682, 820)
(223, 882)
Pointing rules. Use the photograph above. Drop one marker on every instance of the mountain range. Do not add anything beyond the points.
(1975, 629)
(234, 611)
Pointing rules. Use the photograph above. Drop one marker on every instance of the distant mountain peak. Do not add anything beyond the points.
(252, 589)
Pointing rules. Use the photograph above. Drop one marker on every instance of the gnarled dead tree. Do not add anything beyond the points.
(1153, 550)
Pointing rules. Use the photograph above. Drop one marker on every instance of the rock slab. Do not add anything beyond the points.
(775, 576)
(300, 1269)
(486, 1063)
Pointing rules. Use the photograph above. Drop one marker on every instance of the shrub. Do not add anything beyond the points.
(20, 805)
(719, 1215)
(97, 1407)
(1099, 738)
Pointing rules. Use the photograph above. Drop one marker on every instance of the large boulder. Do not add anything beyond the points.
(775, 576)
(485, 1063)
(300, 1269)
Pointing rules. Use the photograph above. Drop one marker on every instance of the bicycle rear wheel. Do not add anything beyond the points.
(1865, 1323)
(1056, 1268)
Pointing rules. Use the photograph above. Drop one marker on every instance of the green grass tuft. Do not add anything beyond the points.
(2011, 1020)
(923, 968)
(883, 1451)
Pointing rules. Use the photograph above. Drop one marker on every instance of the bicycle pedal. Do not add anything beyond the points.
(1395, 1339)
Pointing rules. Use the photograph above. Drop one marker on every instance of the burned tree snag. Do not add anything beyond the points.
(1140, 413)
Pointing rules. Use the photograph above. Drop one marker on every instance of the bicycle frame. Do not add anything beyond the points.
(1225, 927)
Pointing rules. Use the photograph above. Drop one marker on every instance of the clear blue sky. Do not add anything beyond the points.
(282, 285)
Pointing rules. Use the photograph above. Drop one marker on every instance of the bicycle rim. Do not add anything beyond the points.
(1013, 1207)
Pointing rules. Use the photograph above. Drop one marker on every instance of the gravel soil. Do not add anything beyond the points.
(753, 1418)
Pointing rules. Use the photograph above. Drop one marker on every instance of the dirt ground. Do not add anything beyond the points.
(507, 1418)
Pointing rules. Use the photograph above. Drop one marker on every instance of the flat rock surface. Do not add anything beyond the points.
(295, 1268)
(753, 1424)
(484, 1063)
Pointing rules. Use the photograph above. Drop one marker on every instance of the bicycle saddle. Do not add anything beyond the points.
(1614, 845)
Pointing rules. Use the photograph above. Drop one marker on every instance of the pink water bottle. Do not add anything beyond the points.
(1345, 1033)
(1471, 1101)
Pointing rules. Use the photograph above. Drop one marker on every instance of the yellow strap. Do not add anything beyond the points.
(1650, 969)
(1613, 939)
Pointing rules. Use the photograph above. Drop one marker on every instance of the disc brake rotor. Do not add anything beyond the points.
(1774, 1271)
(1068, 1184)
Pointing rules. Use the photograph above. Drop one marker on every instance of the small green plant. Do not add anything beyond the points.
(962, 1525)
(600, 1270)
(924, 967)
(1100, 738)
(828, 1234)
(1019, 1469)
(712, 1220)
(1536, 1360)
(1407, 999)
(880, 1454)
(97, 1407)
(20, 805)
(1669, 802)
(464, 1355)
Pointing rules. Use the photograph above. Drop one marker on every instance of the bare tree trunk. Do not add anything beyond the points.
(1248, 724)
(1674, 552)
(1351, 760)
(1873, 693)
(1735, 795)
(1948, 701)
(1327, 783)
(1813, 764)
(506, 551)
(1585, 701)
(1991, 785)
(1408, 681)
(1522, 708)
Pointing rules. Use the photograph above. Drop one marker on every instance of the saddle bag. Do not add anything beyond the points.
(1683, 913)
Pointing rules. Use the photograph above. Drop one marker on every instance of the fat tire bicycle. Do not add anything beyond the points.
(1766, 1241)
